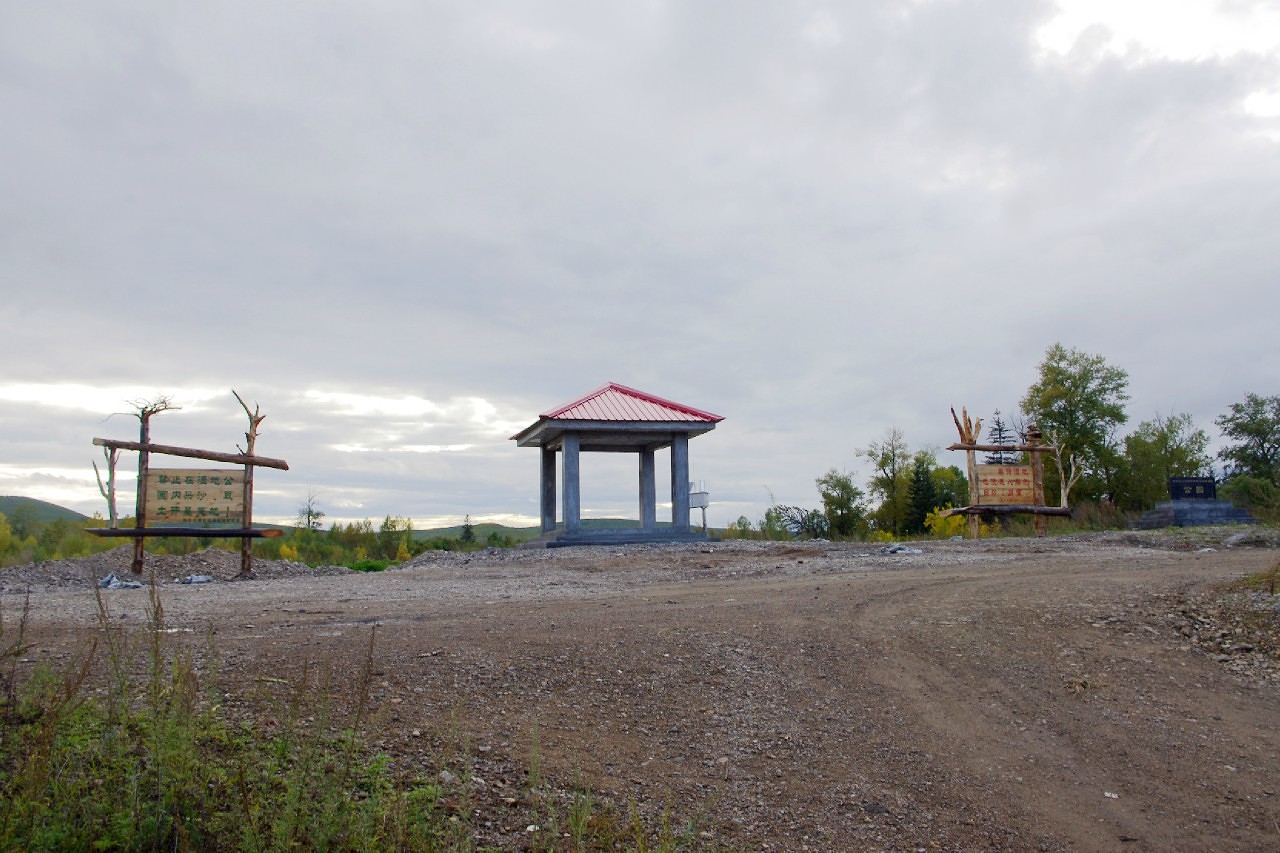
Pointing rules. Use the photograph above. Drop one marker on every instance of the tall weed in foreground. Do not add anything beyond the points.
(131, 747)
(128, 748)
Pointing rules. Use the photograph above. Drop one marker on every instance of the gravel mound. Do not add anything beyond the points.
(165, 568)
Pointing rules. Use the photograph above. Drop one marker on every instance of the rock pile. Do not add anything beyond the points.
(1241, 630)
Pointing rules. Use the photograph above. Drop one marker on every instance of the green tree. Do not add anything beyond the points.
(468, 534)
(891, 482)
(773, 525)
(356, 538)
(391, 535)
(950, 486)
(1000, 433)
(1260, 496)
(497, 540)
(51, 538)
(924, 496)
(6, 535)
(843, 505)
(1078, 402)
(1155, 451)
(802, 522)
(1254, 428)
(23, 521)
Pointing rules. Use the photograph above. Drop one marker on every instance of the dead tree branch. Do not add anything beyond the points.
(1069, 474)
(255, 418)
(109, 488)
(969, 430)
(144, 409)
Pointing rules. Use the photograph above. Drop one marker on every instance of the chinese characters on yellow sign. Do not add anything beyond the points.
(1004, 485)
(194, 496)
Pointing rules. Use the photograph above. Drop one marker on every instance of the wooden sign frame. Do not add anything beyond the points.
(969, 432)
(246, 532)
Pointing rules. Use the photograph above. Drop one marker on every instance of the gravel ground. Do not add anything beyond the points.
(1085, 692)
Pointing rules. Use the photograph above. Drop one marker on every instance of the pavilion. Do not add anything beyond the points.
(616, 419)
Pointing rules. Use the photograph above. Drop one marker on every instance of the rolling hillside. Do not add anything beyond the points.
(40, 510)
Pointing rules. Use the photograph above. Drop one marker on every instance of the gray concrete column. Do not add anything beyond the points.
(548, 490)
(680, 482)
(572, 483)
(648, 491)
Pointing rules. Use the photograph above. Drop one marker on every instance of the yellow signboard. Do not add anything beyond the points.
(1004, 485)
(194, 496)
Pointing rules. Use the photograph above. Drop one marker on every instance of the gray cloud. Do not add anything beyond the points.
(816, 221)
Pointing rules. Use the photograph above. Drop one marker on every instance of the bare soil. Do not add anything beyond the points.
(1088, 692)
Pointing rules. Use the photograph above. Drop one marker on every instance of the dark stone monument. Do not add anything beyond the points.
(1194, 503)
(1193, 489)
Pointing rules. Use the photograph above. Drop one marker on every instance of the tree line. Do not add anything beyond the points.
(1078, 402)
(24, 538)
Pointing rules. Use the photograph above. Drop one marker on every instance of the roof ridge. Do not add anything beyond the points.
(637, 394)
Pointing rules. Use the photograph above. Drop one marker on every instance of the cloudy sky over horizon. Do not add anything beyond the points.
(406, 228)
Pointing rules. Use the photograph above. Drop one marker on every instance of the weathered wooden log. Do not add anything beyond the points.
(1008, 509)
(192, 453)
(996, 448)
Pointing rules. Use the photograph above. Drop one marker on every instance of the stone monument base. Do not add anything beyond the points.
(615, 536)
(1201, 513)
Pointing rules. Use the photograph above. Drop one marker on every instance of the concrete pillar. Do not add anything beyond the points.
(572, 483)
(648, 491)
(548, 490)
(680, 482)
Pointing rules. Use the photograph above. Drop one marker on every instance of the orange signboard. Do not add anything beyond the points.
(1004, 485)
(194, 496)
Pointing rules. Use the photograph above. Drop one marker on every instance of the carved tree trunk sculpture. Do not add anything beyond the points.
(969, 432)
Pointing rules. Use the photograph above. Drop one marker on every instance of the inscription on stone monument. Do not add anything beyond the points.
(1193, 489)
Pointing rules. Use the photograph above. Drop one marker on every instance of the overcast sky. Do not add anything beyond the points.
(406, 228)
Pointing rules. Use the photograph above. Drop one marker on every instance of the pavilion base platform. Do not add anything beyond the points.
(616, 536)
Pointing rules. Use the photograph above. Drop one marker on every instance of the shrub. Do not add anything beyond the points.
(370, 565)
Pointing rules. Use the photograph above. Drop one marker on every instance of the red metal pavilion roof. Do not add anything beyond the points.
(618, 416)
(614, 402)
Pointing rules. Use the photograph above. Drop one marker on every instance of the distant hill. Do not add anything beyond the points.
(40, 510)
(520, 534)
(482, 531)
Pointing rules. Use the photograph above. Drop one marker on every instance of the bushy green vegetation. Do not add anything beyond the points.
(26, 538)
(1107, 479)
(1077, 400)
(130, 747)
(361, 546)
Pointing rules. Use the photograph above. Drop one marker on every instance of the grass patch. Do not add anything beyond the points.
(1266, 581)
(131, 746)
(129, 749)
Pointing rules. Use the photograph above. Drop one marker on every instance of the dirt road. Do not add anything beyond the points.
(1073, 693)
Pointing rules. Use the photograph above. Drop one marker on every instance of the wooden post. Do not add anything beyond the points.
(246, 547)
(140, 505)
(251, 437)
(975, 522)
(1037, 478)
(969, 431)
